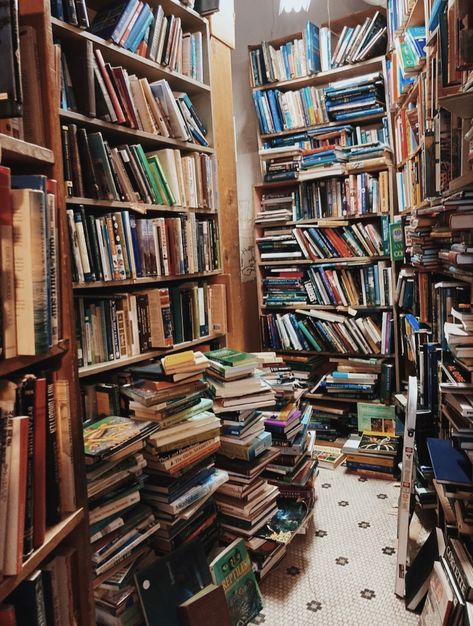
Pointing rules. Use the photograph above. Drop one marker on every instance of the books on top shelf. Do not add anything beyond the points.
(94, 169)
(361, 42)
(142, 29)
(119, 246)
(321, 331)
(30, 280)
(115, 327)
(296, 57)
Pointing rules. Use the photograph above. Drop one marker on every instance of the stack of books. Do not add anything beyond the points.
(304, 366)
(458, 256)
(245, 502)
(119, 246)
(459, 335)
(278, 206)
(422, 243)
(294, 470)
(372, 454)
(94, 169)
(181, 476)
(323, 331)
(331, 420)
(362, 96)
(357, 379)
(120, 524)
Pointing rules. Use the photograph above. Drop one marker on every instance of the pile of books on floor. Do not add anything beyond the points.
(245, 502)
(362, 96)
(331, 420)
(278, 206)
(121, 525)
(181, 476)
(372, 454)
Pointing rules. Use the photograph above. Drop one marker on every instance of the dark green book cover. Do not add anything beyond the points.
(233, 570)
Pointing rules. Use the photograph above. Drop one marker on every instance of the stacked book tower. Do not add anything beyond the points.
(246, 502)
(181, 476)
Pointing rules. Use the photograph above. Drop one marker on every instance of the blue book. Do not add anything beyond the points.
(119, 30)
(451, 466)
(274, 108)
(312, 48)
(355, 114)
(297, 330)
(435, 12)
(260, 112)
(139, 29)
(285, 56)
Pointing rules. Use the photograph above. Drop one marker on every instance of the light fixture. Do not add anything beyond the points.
(286, 6)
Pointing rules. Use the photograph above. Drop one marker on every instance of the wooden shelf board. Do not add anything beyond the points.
(460, 104)
(17, 363)
(355, 120)
(328, 307)
(132, 62)
(354, 260)
(118, 132)
(139, 207)
(137, 282)
(18, 151)
(54, 536)
(337, 354)
(330, 76)
(98, 368)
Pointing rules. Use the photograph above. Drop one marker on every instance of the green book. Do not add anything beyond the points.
(228, 356)
(163, 180)
(233, 571)
(149, 175)
(309, 336)
(396, 241)
(176, 309)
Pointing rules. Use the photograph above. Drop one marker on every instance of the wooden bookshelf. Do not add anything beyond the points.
(99, 368)
(20, 363)
(336, 171)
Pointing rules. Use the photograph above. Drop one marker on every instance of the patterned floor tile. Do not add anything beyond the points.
(341, 571)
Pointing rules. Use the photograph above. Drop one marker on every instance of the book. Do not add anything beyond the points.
(208, 604)
(232, 569)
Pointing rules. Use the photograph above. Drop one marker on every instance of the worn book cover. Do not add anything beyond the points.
(232, 569)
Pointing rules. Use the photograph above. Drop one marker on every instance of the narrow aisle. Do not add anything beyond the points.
(341, 572)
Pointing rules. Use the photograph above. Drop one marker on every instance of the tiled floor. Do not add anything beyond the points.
(341, 573)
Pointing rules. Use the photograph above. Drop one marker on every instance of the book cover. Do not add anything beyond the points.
(233, 570)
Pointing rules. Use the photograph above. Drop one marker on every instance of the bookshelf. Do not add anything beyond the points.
(297, 215)
(58, 362)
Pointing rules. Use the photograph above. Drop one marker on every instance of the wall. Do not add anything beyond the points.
(258, 20)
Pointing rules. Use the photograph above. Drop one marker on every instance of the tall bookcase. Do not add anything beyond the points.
(338, 171)
(23, 157)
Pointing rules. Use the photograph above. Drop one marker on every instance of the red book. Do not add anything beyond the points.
(7, 615)
(39, 464)
(16, 497)
(338, 243)
(111, 90)
(118, 77)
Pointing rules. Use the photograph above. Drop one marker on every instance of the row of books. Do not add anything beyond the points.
(36, 469)
(344, 135)
(311, 52)
(119, 246)
(311, 243)
(94, 169)
(126, 99)
(163, 39)
(321, 331)
(279, 111)
(296, 58)
(115, 327)
(29, 284)
(367, 285)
